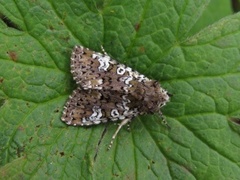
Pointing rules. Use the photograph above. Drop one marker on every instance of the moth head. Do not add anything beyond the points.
(153, 97)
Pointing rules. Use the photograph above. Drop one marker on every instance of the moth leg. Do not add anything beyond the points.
(164, 120)
(128, 126)
(125, 121)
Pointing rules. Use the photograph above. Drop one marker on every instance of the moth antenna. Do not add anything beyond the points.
(103, 50)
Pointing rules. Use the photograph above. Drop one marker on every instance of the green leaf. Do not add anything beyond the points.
(169, 41)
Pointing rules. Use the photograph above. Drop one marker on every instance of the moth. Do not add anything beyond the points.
(109, 91)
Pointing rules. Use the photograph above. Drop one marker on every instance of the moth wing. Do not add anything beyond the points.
(93, 70)
(89, 107)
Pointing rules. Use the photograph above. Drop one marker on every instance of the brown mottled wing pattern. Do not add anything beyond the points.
(88, 107)
(93, 70)
(108, 90)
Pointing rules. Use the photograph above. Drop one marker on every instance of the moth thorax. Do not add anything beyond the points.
(153, 97)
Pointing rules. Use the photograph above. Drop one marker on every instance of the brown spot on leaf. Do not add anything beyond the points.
(137, 26)
(28, 105)
(116, 175)
(12, 55)
(51, 27)
(21, 128)
(20, 150)
(30, 139)
(1, 80)
(2, 102)
(65, 38)
(62, 154)
(38, 126)
(142, 49)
